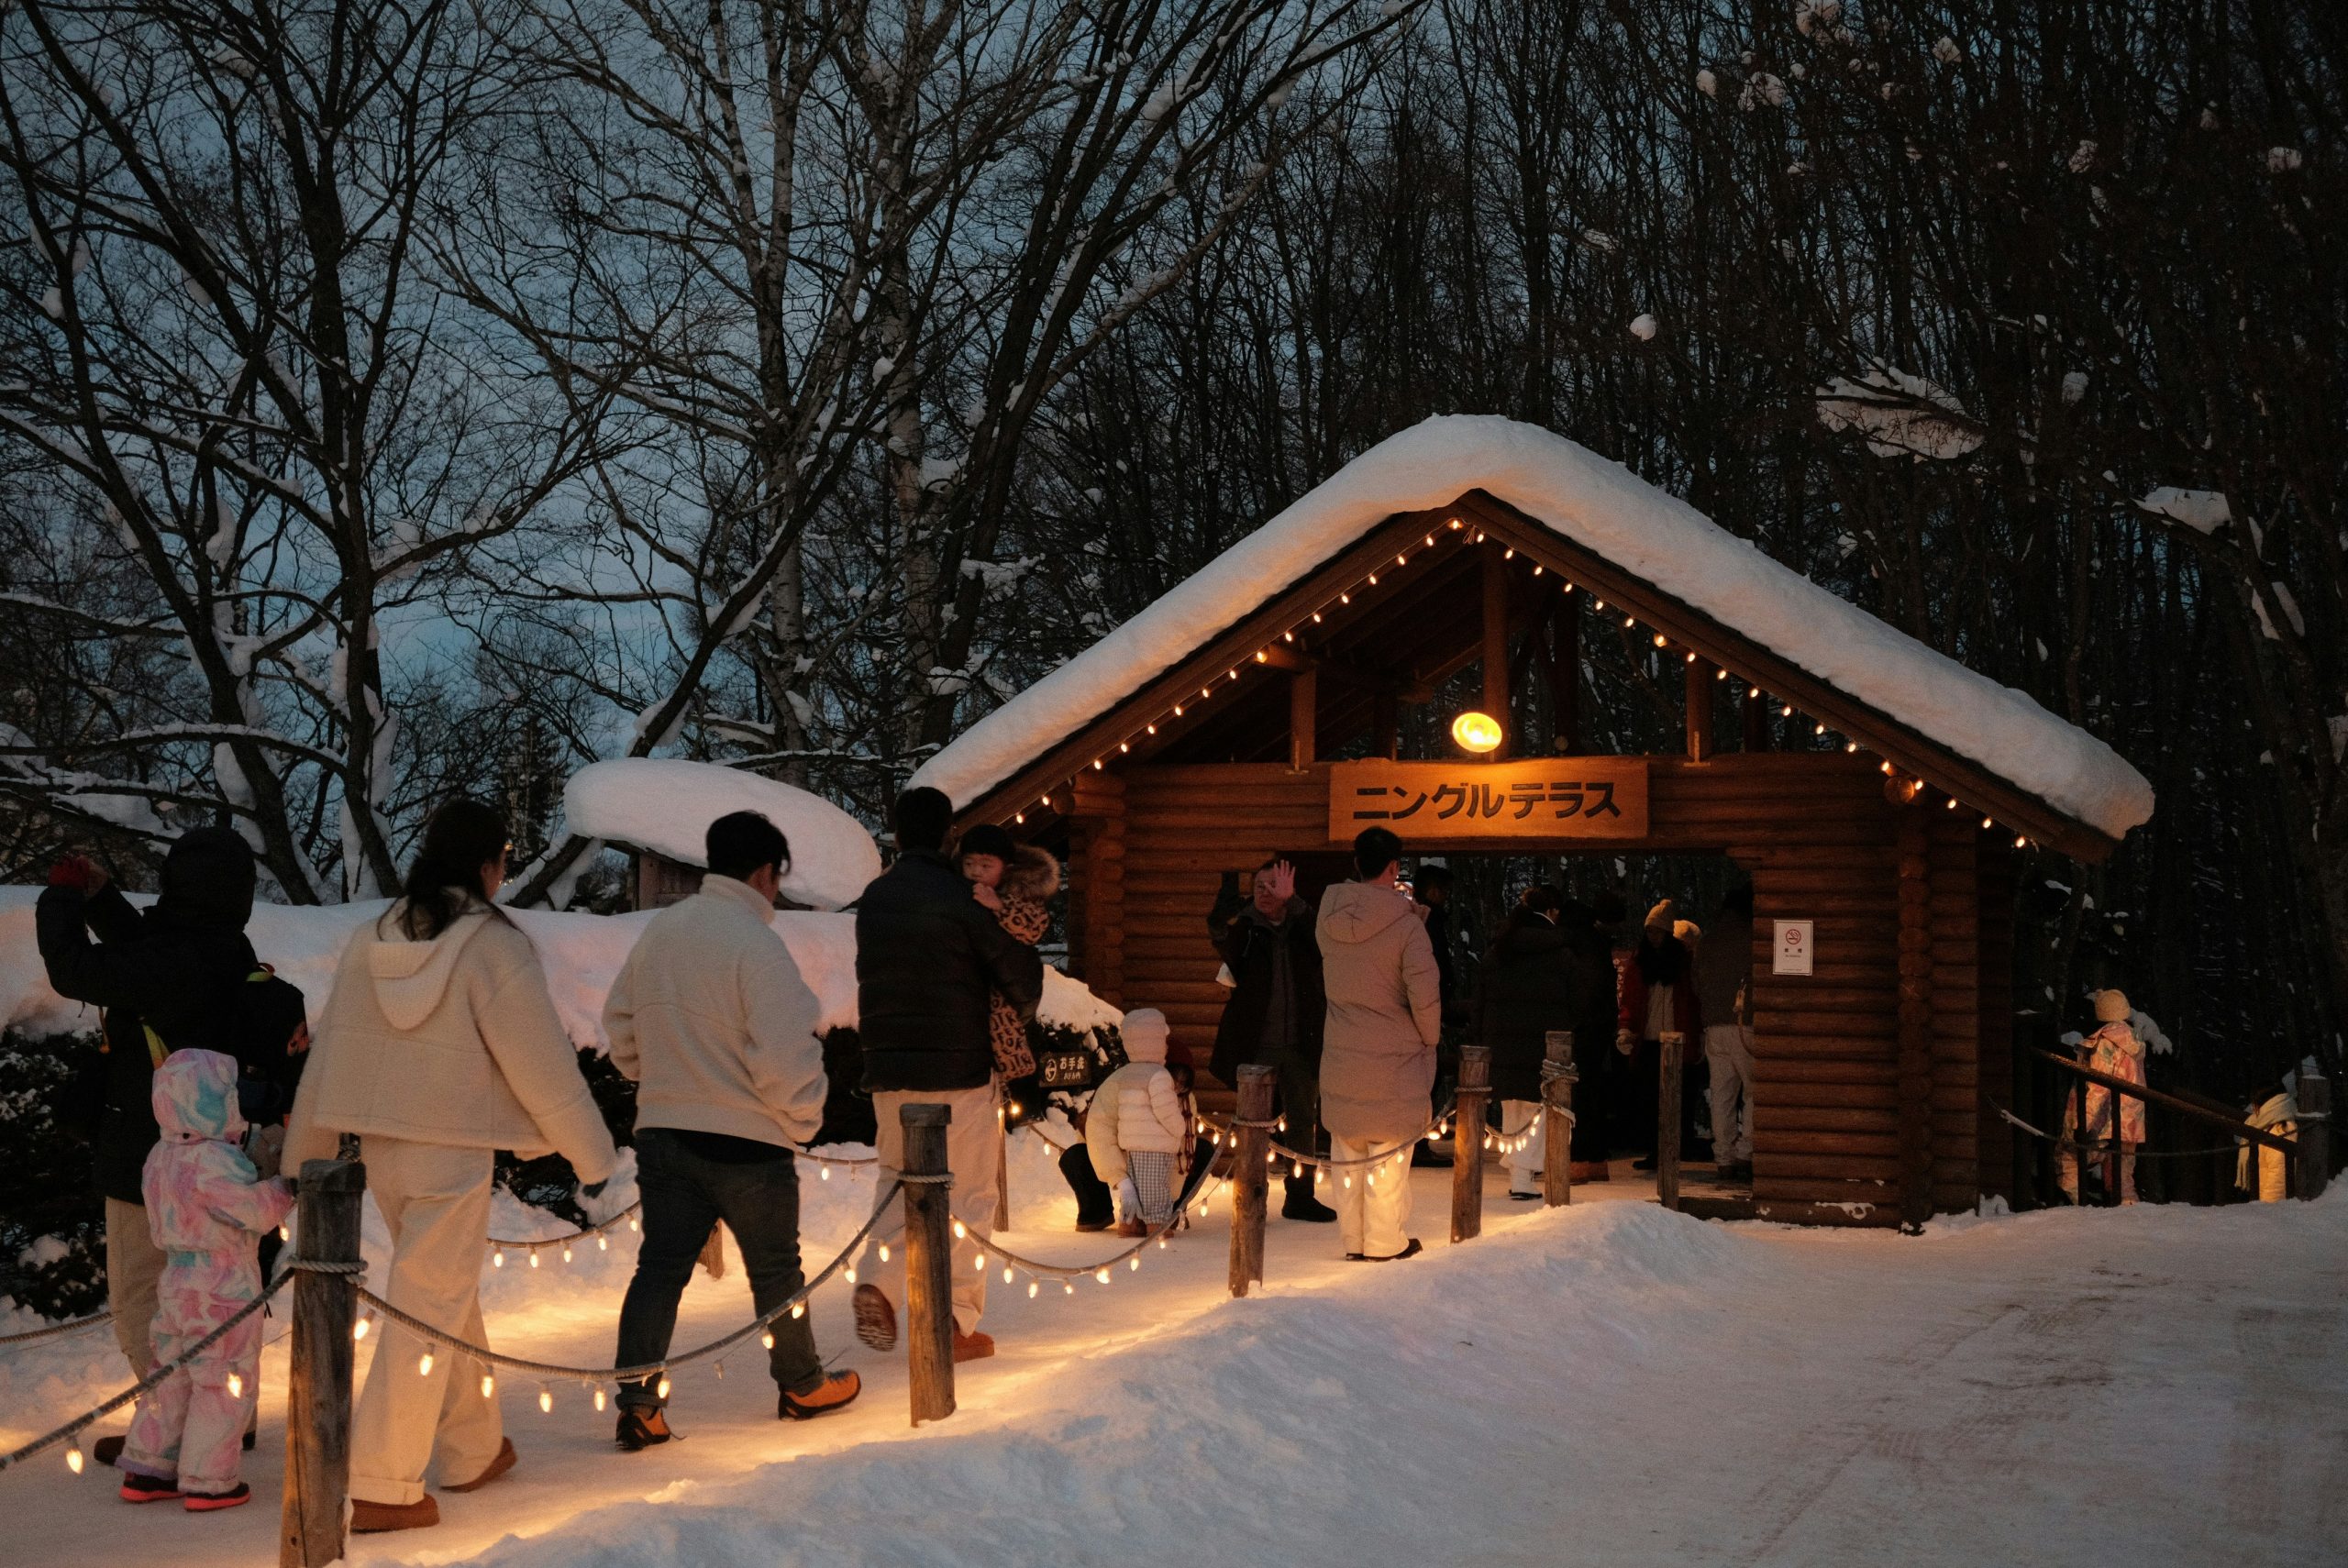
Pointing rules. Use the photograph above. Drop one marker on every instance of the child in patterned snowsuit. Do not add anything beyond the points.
(2114, 1051)
(206, 1206)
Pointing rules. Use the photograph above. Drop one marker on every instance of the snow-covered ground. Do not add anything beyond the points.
(1607, 1383)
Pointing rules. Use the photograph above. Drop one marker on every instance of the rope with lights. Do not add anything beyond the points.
(1228, 1132)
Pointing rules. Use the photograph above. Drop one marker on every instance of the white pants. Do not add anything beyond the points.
(434, 1201)
(1373, 1202)
(1524, 1119)
(1728, 1048)
(974, 1158)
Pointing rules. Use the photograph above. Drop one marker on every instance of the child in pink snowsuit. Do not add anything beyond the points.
(2114, 1051)
(206, 1205)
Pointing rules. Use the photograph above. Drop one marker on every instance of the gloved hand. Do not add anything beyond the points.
(1623, 1040)
(602, 1201)
(265, 1146)
(79, 872)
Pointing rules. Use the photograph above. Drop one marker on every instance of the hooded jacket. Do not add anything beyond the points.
(1139, 1107)
(709, 1018)
(450, 1041)
(1385, 1014)
(1530, 983)
(928, 954)
(203, 1195)
(172, 969)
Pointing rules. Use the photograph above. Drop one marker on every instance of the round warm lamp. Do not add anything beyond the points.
(1477, 732)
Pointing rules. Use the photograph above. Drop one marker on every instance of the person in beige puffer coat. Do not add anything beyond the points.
(439, 1046)
(1377, 1056)
(1136, 1125)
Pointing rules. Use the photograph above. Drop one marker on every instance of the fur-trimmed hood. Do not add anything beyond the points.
(1032, 873)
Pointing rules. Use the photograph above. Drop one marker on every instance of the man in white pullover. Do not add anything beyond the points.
(711, 1019)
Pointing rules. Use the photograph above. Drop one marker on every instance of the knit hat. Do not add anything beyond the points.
(1144, 1033)
(1660, 916)
(2112, 1007)
(1688, 931)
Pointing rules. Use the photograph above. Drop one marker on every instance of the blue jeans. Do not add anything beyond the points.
(684, 1196)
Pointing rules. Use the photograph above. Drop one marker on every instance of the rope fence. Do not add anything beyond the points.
(55, 1330)
(1224, 1132)
(2103, 1148)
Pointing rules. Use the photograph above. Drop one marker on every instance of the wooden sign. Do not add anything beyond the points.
(1793, 946)
(1546, 797)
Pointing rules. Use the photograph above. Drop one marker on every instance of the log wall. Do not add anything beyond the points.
(1149, 843)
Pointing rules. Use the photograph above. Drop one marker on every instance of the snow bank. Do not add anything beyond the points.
(1607, 509)
(581, 953)
(666, 804)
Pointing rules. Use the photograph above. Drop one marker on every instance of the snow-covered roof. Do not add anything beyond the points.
(666, 804)
(1611, 511)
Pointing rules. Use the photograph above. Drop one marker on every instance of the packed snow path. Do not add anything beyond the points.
(1607, 1383)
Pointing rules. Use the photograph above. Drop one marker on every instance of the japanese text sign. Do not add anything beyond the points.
(1548, 797)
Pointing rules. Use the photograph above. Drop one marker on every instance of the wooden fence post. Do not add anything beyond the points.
(1557, 1079)
(2314, 1138)
(1467, 1144)
(1672, 1046)
(929, 1262)
(1250, 1153)
(317, 1392)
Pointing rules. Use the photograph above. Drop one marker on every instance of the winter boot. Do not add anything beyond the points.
(211, 1502)
(972, 1346)
(1414, 1250)
(1132, 1227)
(836, 1392)
(107, 1450)
(1300, 1203)
(640, 1429)
(497, 1467)
(876, 1319)
(378, 1518)
(138, 1488)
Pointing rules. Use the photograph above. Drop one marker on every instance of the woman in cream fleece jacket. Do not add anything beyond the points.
(438, 1047)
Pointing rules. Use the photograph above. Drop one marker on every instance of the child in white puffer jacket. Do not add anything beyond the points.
(1134, 1129)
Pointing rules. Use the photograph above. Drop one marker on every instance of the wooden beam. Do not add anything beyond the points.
(1494, 653)
(1303, 717)
(1701, 683)
(1915, 1057)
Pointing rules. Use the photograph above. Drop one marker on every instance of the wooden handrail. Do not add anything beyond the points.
(2233, 1124)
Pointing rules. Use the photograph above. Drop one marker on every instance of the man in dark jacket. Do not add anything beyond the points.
(172, 979)
(927, 955)
(1275, 1009)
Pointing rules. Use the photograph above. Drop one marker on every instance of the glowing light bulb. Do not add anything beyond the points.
(599, 1397)
(73, 1459)
(488, 1386)
(602, 1243)
(979, 1263)
(358, 1330)
(632, 1224)
(767, 1338)
(497, 1258)
(566, 1251)
(546, 1402)
(424, 1364)
(850, 1276)
(1987, 825)
(884, 1252)
(1006, 1274)
(534, 1257)
(1475, 733)
(663, 1389)
(283, 1235)
(1068, 1287)
(1033, 1286)
(799, 1309)
(236, 1386)
(1133, 1264)
(1102, 1276)
(960, 1231)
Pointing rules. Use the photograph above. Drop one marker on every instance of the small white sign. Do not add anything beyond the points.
(1791, 946)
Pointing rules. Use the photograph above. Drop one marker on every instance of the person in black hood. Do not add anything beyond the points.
(171, 979)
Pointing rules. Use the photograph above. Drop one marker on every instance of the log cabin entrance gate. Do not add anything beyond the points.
(1869, 785)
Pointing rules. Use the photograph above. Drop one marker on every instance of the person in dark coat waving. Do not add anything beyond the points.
(1274, 1014)
(1528, 985)
(929, 954)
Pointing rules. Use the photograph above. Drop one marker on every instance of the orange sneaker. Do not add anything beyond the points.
(835, 1393)
(497, 1467)
(972, 1346)
(211, 1502)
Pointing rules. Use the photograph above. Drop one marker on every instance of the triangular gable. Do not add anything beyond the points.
(1990, 745)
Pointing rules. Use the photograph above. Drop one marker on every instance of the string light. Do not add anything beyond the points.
(604, 1242)
(1006, 1274)
(73, 1459)
(1033, 1286)
(598, 1398)
(424, 1364)
(823, 1173)
(1102, 1276)
(960, 1231)
(884, 1252)
(236, 1386)
(1133, 1264)
(566, 1251)
(799, 1309)
(663, 1390)
(1987, 825)
(497, 1258)
(488, 1386)
(1659, 638)
(767, 1339)
(1751, 692)
(358, 1330)
(849, 1275)
(534, 1257)
(545, 1401)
